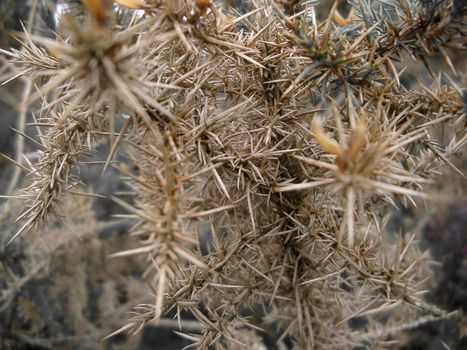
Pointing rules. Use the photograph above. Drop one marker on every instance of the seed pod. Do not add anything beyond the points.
(203, 5)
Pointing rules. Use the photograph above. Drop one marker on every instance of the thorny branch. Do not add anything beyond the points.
(288, 135)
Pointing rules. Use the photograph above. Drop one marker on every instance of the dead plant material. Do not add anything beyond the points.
(283, 138)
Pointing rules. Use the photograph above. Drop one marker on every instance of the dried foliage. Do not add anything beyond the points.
(287, 137)
(58, 290)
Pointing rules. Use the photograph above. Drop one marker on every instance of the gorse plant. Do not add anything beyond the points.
(286, 136)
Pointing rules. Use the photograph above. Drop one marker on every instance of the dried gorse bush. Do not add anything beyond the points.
(288, 136)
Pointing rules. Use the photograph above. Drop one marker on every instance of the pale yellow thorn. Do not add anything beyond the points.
(131, 4)
(357, 139)
(339, 19)
(328, 144)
